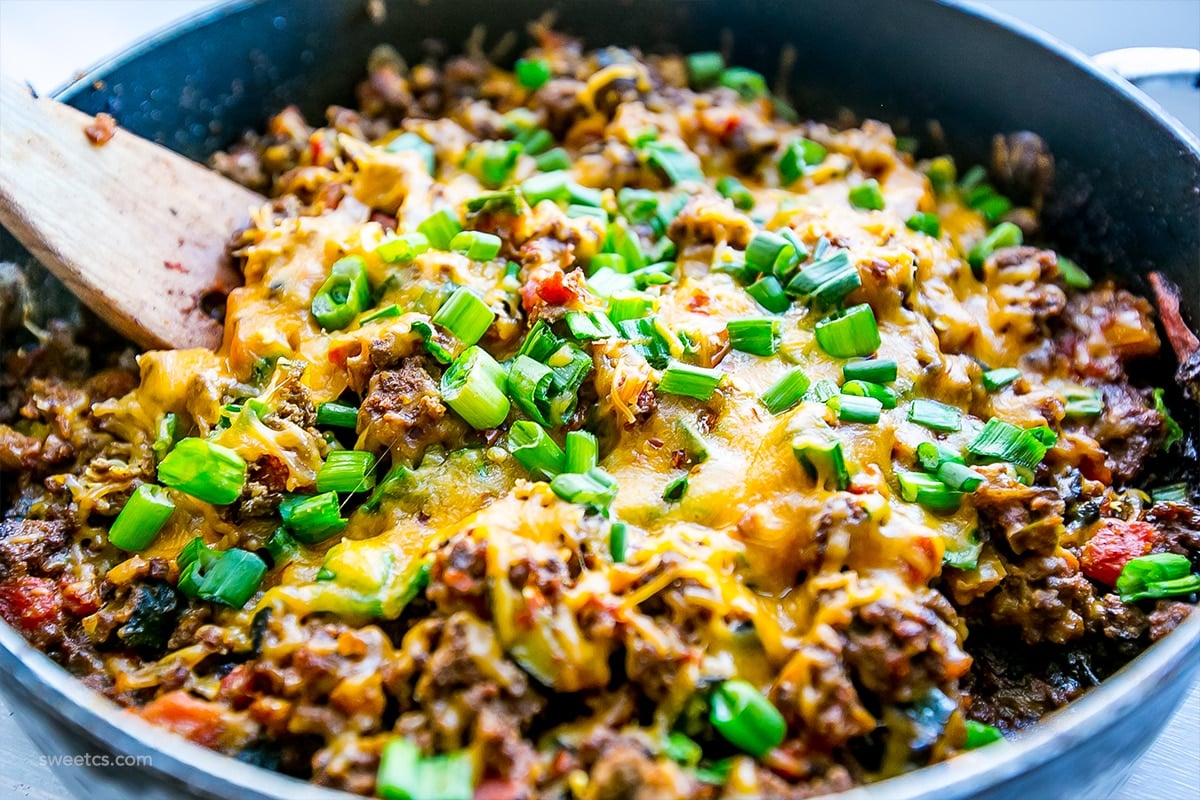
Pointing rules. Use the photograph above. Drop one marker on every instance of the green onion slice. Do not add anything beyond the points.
(690, 381)
(1003, 441)
(344, 295)
(204, 470)
(760, 337)
(704, 69)
(736, 191)
(860, 409)
(402, 248)
(820, 454)
(476, 245)
(440, 228)
(853, 333)
(312, 518)
(532, 73)
(474, 387)
(797, 157)
(935, 416)
(533, 448)
(594, 488)
(767, 292)
(872, 370)
(465, 315)
(347, 471)
(787, 392)
(927, 491)
(746, 719)
(996, 379)
(926, 223)
(529, 385)
(141, 518)
(337, 415)
(867, 196)
(582, 451)
(1155, 576)
(979, 734)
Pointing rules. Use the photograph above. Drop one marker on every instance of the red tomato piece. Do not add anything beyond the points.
(1115, 543)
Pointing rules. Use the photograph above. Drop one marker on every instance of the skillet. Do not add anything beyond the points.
(1125, 199)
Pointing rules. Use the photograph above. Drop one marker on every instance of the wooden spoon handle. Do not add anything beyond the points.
(137, 232)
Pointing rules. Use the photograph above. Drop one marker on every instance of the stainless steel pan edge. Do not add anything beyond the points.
(1078, 752)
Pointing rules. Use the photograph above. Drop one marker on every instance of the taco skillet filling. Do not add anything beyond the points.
(597, 429)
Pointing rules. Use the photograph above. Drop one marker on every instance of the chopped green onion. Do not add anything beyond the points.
(413, 142)
(590, 325)
(872, 370)
(690, 381)
(396, 477)
(440, 228)
(867, 196)
(1174, 433)
(554, 159)
(476, 245)
(927, 491)
(979, 734)
(852, 333)
(437, 344)
(828, 280)
(820, 454)
(959, 477)
(529, 385)
(533, 449)
(520, 121)
(941, 173)
(465, 315)
(282, 547)
(629, 305)
(1073, 274)
(390, 311)
(165, 436)
(312, 518)
(492, 162)
(337, 415)
(612, 261)
(935, 416)
(852, 408)
(1155, 576)
(141, 518)
(749, 85)
(1003, 441)
(605, 281)
(693, 442)
(617, 536)
(648, 340)
(547, 186)
(344, 295)
(767, 292)
(736, 191)
(1171, 493)
(704, 69)
(963, 555)
(494, 202)
(787, 392)
(973, 178)
(532, 73)
(760, 337)
(1006, 234)
(594, 488)
(404, 774)
(996, 379)
(681, 749)
(402, 248)
(746, 719)
(675, 164)
(474, 387)
(931, 456)
(769, 252)
(637, 205)
(230, 578)
(821, 391)
(1082, 403)
(347, 471)
(625, 242)
(206, 471)
(582, 451)
(540, 342)
(676, 489)
(926, 223)
(668, 210)
(536, 141)
(797, 156)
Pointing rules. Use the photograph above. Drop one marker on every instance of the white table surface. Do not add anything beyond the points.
(47, 41)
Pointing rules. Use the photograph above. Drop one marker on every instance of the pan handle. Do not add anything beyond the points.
(1140, 64)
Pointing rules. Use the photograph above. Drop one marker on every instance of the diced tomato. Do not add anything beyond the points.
(192, 718)
(1113, 545)
(554, 291)
(31, 604)
(499, 789)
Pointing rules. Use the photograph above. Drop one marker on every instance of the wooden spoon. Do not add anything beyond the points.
(137, 232)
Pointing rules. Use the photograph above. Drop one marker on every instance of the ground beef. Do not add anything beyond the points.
(1166, 616)
(27, 546)
(1129, 429)
(1021, 278)
(1029, 518)
(1178, 526)
(18, 451)
(1046, 597)
(403, 412)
